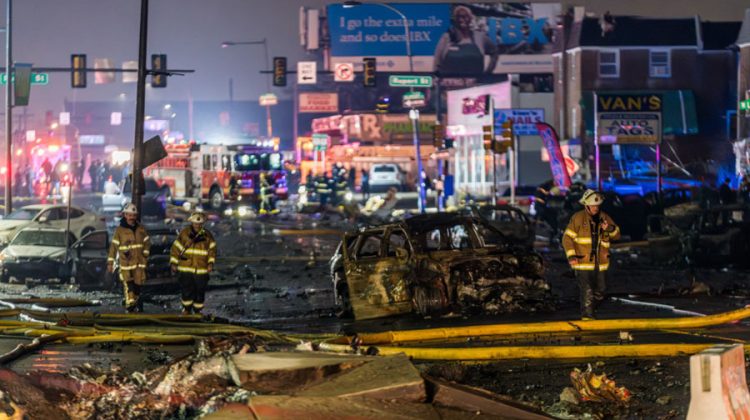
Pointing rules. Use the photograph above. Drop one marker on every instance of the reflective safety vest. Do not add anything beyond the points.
(322, 186)
(193, 252)
(130, 247)
(578, 241)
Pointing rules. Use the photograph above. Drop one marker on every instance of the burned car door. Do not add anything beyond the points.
(90, 257)
(369, 275)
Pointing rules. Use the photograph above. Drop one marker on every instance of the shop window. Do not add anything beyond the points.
(609, 63)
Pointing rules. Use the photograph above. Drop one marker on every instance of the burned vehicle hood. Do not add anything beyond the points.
(33, 251)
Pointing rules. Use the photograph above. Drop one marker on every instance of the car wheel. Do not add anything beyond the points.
(427, 300)
(215, 198)
(342, 290)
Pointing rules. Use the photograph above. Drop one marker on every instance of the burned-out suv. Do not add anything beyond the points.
(434, 264)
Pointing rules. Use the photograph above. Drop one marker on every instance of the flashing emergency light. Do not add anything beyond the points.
(54, 148)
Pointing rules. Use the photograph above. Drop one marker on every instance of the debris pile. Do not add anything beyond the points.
(597, 388)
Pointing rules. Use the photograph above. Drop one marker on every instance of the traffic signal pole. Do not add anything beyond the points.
(8, 109)
(140, 109)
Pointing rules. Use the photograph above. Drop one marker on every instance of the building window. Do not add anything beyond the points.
(659, 63)
(609, 63)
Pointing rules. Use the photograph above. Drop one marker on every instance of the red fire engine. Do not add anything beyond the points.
(218, 173)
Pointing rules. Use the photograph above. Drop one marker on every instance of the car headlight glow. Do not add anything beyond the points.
(228, 212)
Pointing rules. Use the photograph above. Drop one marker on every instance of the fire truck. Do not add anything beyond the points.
(218, 173)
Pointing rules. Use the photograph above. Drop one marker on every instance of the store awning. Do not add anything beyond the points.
(678, 115)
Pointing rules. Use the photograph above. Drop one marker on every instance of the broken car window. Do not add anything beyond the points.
(396, 240)
(370, 246)
(459, 237)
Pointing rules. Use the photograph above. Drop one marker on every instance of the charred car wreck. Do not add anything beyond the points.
(436, 264)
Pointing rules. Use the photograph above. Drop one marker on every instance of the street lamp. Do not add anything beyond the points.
(413, 112)
(227, 44)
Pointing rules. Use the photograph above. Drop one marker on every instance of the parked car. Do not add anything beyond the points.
(154, 203)
(52, 216)
(433, 264)
(43, 254)
(386, 175)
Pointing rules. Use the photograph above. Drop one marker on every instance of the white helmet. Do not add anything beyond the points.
(130, 208)
(197, 217)
(591, 198)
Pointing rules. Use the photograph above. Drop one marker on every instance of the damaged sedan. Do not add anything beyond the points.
(436, 264)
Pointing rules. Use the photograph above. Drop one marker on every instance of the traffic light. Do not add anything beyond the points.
(370, 68)
(279, 71)
(438, 135)
(159, 68)
(506, 133)
(487, 136)
(78, 74)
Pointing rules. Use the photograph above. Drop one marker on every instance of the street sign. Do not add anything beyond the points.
(401, 80)
(268, 99)
(745, 105)
(36, 78)
(307, 73)
(343, 72)
(320, 142)
(413, 100)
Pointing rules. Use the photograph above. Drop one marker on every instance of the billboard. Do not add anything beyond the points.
(629, 118)
(459, 39)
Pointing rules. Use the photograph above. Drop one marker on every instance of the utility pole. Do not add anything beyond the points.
(8, 108)
(140, 109)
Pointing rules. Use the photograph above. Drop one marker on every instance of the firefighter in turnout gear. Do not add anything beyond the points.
(266, 196)
(192, 257)
(340, 185)
(323, 189)
(586, 242)
(130, 247)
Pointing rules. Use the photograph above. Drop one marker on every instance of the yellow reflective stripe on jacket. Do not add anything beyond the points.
(110, 259)
(571, 233)
(211, 260)
(582, 241)
(115, 241)
(128, 247)
(173, 260)
(179, 245)
(212, 246)
(570, 252)
(589, 267)
(605, 244)
(193, 251)
(192, 270)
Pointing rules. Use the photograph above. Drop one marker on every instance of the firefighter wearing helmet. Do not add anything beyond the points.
(130, 247)
(192, 257)
(586, 242)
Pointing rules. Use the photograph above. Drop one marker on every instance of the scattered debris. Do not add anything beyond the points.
(597, 388)
(569, 395)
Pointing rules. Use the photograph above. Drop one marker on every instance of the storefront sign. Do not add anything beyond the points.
(318, 103)
(524, 120)
(629, 119)
(375, 128)
(466, 113)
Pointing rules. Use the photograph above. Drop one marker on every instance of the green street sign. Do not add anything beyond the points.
(745, 105)
(400, 80)
(36, 78)
(413, 99)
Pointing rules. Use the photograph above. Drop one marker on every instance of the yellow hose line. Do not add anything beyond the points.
(536, 352)
(547, 327)
(132, 338)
